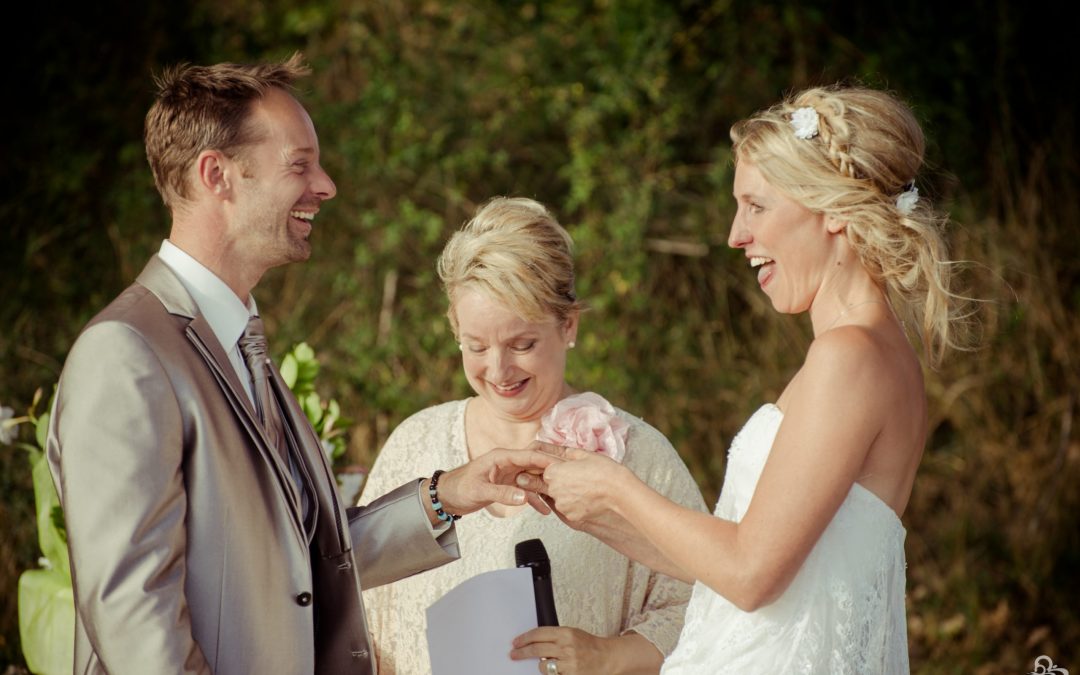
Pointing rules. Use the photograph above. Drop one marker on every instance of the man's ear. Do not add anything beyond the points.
(834, 225)
(212, 173)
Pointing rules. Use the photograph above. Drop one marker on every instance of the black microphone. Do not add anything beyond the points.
(532, 554)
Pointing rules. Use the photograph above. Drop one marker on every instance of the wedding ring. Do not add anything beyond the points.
(552, 667)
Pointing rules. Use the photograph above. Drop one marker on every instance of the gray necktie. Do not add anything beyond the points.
(253, 347)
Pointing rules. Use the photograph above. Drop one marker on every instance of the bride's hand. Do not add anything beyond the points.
(582, 488)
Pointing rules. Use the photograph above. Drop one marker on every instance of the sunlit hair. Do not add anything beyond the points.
(207, 108)
(515, 251)
(868, 149)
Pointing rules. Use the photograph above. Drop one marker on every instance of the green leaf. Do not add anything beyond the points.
(303, 352)
(51, 538)
(56, 516)
(309, 370)
(299, 369)
(289, 370)
(338, 445)
(47, 621)
(312, 406)
(41, 429)
(330, 416)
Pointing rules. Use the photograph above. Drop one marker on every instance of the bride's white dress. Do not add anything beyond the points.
(844, 611)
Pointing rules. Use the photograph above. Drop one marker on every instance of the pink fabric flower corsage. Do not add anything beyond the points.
(585, 421)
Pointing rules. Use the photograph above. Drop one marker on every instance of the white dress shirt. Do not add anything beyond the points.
(226, 314)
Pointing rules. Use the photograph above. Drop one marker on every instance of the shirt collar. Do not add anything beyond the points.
(225, 313)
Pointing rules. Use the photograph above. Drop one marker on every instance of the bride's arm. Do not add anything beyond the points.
(622, 536)
(830, 422)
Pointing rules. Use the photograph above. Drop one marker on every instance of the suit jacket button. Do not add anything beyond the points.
(304, 599)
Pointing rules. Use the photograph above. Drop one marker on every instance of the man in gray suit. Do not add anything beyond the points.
(205, 532)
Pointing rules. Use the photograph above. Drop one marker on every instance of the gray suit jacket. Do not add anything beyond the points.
(184, 528)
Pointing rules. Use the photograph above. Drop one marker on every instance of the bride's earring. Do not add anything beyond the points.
(571, 344)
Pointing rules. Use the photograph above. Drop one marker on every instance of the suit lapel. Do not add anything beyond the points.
(160, 280)
(206, 343)
(202, 336)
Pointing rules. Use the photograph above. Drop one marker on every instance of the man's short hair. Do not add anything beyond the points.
(207, 107)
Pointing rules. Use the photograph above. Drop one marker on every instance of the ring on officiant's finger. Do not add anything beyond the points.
(552, 667)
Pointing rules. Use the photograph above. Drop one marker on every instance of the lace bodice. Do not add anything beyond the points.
(596, 589)
(844, 611)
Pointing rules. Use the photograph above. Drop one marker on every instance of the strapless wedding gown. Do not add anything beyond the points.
(843, 612)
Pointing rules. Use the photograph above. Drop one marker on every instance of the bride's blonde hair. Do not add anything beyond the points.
(867, 151)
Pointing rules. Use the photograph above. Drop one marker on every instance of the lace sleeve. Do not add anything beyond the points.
(409, 452)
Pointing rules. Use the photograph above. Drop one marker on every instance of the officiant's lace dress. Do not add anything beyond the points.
(844, 611)
(596, 589)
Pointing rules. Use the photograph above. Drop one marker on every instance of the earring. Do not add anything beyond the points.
(461, 347)
(571, 345)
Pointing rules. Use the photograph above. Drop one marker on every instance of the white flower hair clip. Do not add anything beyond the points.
(906, 200)
(805, 122)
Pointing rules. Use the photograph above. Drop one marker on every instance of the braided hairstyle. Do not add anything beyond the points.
(866, 152)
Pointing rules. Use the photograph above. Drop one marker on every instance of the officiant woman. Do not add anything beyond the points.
(509, 278)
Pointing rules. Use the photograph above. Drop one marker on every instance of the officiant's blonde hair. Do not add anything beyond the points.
(514, 250)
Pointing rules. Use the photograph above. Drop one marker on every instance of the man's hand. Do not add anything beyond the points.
(493, 478)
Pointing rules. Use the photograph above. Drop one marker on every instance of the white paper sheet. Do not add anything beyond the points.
(469, 630)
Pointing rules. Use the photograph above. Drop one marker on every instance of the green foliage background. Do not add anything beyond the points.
(615, 114)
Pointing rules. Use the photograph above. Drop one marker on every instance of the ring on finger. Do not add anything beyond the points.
(552, 667)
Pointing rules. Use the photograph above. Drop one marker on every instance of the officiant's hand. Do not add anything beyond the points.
(577, 652)
(493, 478)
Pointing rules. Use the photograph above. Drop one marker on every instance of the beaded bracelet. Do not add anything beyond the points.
(432, 491)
